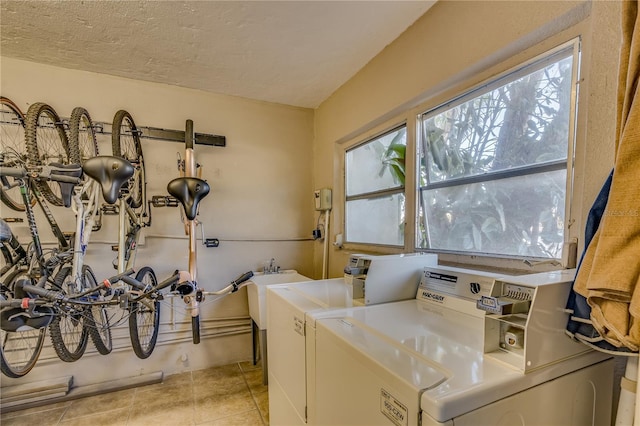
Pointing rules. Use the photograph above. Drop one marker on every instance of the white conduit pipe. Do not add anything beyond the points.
(627, 402)
(325, 252)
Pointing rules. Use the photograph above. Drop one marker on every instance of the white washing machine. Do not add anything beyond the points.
(386, 279)
(439, 360)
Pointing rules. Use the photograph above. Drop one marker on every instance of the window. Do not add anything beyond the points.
(493, 163)
(374, 190)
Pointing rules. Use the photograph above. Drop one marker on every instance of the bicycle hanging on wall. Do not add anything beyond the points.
(189, 189)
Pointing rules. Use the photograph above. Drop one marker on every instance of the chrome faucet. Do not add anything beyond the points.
(271, 268)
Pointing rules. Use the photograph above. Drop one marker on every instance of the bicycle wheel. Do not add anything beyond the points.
(46, 143)
(97, 321)
(82, 137)
(12, 151)
(125, 143)
(69, 335)
(20, 348)
(144, 318)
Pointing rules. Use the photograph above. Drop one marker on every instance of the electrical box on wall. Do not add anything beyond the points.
(322, 198)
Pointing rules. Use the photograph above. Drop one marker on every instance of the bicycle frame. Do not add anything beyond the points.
(63, 244)
(129, 225)
(14, 255)
(189, 189)
(85, 212)
(194, 299)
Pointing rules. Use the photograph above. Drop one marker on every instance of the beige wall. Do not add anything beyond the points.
(455, 45)
(261, 190)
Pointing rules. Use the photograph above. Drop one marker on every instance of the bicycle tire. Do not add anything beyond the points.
(144, 318)
(195, 329)
(20, 350)
(125, 143)
(47, 143)
(82, 137)
(97, 321)
(12, 150)
(68, 332)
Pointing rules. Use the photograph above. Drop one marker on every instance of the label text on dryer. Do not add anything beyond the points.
(427, 295)
(393, 409)
(440, 276)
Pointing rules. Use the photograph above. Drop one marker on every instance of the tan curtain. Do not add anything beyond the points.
(609, 276)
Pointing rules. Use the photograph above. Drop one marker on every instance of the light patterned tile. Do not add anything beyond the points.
(42, 418)
(116, 417)
(249, 418)
(226, 395)
(162, 400)
(262, 401)
(177, 415)
(254, 380)
(100, 403)
(220, 388)
(210, 408)
(247, 366)
(40, 409)
(168, 382)
(227, 372)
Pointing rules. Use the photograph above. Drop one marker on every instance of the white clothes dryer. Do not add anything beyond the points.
(439, 360)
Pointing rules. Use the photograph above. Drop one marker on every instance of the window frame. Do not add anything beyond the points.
(570, 49)
(377, 194)
(450, 91)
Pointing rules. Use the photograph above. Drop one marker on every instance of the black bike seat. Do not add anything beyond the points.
(189, 191)
(110, 172)
(66, 188)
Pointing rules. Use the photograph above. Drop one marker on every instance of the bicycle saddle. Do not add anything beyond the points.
(17, 319)
(189, 191)
(110, 172)
(66, 188)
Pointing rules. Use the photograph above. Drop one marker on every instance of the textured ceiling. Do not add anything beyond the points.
(290, 52)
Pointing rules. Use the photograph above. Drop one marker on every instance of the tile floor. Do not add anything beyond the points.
(228, 395)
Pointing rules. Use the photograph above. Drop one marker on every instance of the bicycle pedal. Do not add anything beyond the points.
(199, 295)
(211, 242)
(114, 248)
(110, 209)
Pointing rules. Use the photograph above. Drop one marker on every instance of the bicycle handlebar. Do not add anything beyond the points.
(19, 172)
(234, 285)
(58, 296)
(114, 279)
(24, 303)
(51, 295)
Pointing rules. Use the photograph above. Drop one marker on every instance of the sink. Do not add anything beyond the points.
(257, 292)
(257, 295)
